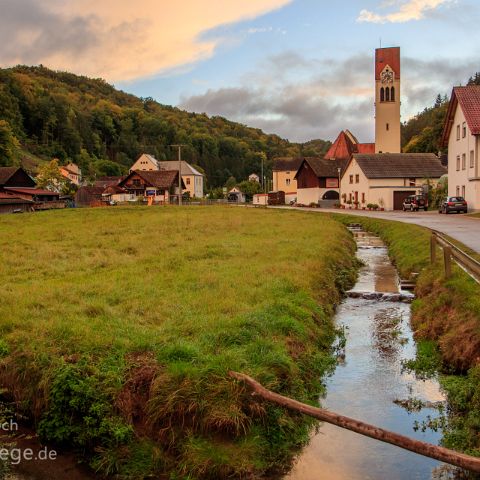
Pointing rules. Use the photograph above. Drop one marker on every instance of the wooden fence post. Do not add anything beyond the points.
(447, 257)
(433, 248)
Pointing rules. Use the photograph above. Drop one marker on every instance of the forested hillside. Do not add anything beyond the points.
(423, 132)
(48, 114)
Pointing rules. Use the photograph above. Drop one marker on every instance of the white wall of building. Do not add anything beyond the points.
(463, 167)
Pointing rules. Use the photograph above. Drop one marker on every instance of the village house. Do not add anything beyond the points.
(318, 181)
(193, 180)
(161, 185)
(72, 172)
(15, 181)
(386, 179)
(253, 177)
(284, 171)
(462, 137)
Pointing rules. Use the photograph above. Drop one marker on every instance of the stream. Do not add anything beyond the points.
(367, 382)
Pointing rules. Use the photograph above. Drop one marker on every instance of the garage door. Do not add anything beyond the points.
(398, 198)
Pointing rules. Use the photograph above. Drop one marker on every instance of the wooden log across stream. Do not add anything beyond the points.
(422, 448)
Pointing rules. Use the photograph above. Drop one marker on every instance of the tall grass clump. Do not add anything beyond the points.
(118, 327)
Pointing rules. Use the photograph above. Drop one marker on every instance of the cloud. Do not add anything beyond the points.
(117, 39)
(406, 11)
(333, 94)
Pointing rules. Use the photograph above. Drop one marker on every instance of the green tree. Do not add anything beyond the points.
(9, 145)
(249, 188)
(50, 177)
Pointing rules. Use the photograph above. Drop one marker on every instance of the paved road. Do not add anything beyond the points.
(461, 227)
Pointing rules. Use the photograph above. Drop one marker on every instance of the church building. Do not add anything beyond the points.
(387, 100)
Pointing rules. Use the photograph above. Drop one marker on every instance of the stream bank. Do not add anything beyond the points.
(370, 383)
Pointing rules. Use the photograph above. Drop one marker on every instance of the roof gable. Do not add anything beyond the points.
(162, 179)
(322, 167)
(15, 177)
(468, 98)
(186, 168)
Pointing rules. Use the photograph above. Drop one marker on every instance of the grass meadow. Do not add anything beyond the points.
(118, 327)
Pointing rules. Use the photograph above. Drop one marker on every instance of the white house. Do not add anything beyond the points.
(462, 136)
(253, 177)
(386, 179)
(72, 172)
(191, 177)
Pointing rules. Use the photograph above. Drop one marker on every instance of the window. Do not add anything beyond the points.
(388, 127)
(472, 158)
(188, 181)
(392, 94)
(464, 130)
(464, 161)
(382, 94)
(412, 182)
(350, 197)
(458, 132)
(351, 178)
(287, 182)
(458, 191)
(463, 191)
(136, 182)
(357, 178)
(363, 197)
(458, 163)
(387, 94)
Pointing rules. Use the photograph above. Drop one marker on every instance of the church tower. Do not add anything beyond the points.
(387, 100)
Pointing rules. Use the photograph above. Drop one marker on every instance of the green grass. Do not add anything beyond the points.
(118, 327)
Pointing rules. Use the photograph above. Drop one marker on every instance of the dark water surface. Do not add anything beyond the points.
(366, 383)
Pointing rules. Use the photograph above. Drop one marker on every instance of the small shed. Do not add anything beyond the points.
(260, 199)
(11, 204)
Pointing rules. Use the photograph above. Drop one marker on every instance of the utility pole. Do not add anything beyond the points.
(180, 193)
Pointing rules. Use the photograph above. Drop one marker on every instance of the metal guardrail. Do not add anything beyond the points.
(465, 261)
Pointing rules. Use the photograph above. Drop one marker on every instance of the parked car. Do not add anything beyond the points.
(453, 204)
(415, 203)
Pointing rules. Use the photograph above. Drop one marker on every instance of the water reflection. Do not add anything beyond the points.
(368, 383)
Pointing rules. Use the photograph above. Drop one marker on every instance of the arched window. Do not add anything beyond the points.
(392, 94)
(387, 94)
(382, 94)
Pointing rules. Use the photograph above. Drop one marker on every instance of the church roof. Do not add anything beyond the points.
(468, 98)
(346, 145)
(387, 56)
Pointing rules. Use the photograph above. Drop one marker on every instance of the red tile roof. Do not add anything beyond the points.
(387, 56)
(366, 148)
(468, 98)
(342, 147)
(8, 198)
(31, 191)
(346, 145)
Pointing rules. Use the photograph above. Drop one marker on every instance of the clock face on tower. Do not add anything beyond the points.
(386, 76)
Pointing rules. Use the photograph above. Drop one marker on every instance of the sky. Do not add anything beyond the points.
(302, 69)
